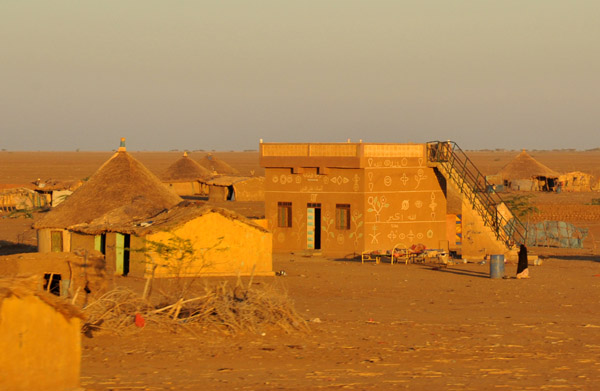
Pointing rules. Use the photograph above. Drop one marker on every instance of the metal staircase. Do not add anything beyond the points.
(456, 167)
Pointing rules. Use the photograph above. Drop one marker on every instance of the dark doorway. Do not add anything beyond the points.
(313, 226)
(123, 244)
(52, 283)
(230, 193)
(126, 255)
(317, 228)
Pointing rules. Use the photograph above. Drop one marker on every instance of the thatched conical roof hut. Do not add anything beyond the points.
(213, 164)
(119, 182)
(526, 167)
(185, 170)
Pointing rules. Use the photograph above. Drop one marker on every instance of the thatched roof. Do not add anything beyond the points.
(185, 170)
(213, 164)
(166, 220)
(121, 183)
(526, 167)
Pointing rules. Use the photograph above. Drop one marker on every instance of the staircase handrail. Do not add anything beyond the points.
(473, 183)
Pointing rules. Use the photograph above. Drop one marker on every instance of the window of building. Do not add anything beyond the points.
(342, 216)
(52, 283)
(284, 214)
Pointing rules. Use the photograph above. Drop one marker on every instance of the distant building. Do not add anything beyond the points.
(235, 188)
(527, 174)
(185, 177)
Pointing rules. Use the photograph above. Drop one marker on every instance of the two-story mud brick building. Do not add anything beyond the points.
(346, 198)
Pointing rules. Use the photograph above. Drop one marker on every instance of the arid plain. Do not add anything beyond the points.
(372, 327)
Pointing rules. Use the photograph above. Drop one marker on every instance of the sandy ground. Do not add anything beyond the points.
(385, 327)
(379, 326)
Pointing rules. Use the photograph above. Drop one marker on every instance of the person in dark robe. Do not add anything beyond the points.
(522, 266)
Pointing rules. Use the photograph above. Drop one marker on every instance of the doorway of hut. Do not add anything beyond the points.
(313, 226)
(230, 193)
(123, 242)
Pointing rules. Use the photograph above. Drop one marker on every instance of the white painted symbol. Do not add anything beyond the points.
(374, 235)
(392, 235)
(404, 178)
(419, 177)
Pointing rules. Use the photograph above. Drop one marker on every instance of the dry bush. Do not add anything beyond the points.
(230, 309)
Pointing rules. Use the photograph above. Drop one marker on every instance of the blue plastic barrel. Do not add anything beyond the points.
(497, 266)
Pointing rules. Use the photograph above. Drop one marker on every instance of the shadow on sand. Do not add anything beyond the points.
(590, 258)
(460, 272)
(9, 248)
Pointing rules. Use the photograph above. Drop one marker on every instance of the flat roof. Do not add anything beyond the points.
(343, 155)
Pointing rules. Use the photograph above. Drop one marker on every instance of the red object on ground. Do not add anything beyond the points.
(139, 321)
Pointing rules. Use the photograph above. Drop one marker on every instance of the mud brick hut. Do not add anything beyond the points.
(217, 166)
(40, 339)
(121, 182)
(235, 188)
(576, 181)
(191, 239)
(527, 174)
(342, 199)
(79, 276)
(123, 210)
(186, 177)
(55, 191)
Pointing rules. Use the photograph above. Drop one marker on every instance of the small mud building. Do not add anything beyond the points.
(235, 188)
(527, 174)
(55, 191)
(40, 339)
(575, 181)
(192, 239)
(186, 177)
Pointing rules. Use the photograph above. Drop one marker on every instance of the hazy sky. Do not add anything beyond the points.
(223, 74)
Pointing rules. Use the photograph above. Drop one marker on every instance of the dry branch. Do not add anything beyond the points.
(220, 307)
